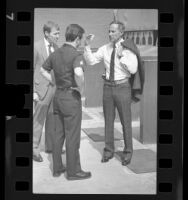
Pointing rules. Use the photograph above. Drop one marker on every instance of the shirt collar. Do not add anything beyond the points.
(69, 44)
(46, 42)
(117, 43)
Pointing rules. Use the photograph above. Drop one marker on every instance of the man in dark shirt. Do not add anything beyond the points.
(67, 64)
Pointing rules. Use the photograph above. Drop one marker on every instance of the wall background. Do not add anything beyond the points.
(97, 21)
(94, 21)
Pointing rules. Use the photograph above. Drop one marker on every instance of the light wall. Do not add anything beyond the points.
(94, 21)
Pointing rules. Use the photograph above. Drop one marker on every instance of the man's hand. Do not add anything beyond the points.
(46, 75)
(88, 39)
(52, 84)
(35, 96)
(80, 90)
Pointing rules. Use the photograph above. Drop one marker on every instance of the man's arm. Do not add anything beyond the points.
(92, 58)
(79, 78)
(78, 67)
(46, 69)
(35, 57)
(35, 94)
(129, 61)
(47, 75)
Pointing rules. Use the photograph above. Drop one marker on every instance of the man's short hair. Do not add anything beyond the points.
(49, 25)
(121, 26)
(73, 31)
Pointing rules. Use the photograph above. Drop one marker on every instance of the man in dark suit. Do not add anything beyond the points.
(43, 90)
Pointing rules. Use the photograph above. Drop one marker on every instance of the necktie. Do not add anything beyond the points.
(49, 49)
(112, 64)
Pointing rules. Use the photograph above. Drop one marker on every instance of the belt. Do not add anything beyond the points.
(118, 82)
(67, 88)
(63, 88)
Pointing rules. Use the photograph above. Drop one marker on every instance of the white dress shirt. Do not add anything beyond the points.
(124, 66)
(47, 47)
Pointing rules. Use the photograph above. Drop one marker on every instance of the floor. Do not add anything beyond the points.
(105, 176)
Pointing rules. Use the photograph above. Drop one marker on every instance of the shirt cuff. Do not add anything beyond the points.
(88, 48)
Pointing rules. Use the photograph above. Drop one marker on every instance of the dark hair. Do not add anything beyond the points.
(121, 26)
(49, 25)
(73, 31)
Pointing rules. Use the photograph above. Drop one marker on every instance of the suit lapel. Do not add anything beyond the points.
(43, 50)
(55, 47)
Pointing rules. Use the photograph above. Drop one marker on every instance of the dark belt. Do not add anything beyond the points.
(67, 89)
(114, 83)
(63, 88)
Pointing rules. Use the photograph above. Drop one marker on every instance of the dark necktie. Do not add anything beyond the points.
(49, 49)
(112, 64)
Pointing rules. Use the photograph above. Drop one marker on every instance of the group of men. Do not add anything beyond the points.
(58, 87)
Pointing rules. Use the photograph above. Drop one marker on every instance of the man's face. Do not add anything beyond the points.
(53, 36)
(79, 42)
(114, 33)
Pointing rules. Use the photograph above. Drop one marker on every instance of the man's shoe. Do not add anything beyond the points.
(126, 158)
(37, 158)
(79, 176)
(58, 173)
(107, 155)
(106, 159)
(125, 162)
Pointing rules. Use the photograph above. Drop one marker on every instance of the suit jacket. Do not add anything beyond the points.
(137, 79)
(41, 85)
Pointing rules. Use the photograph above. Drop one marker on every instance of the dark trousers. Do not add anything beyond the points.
(49, 128)
(68, 111)
(117, 96)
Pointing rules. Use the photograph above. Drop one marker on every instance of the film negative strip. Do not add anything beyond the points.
(20, 16)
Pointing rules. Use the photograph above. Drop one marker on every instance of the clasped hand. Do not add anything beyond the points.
(88, 39)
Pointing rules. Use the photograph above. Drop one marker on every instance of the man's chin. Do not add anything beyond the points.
(53, 42)
(113, 41)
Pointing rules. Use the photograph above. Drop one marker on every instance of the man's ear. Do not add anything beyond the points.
(77, 39)
(46, 34)
(122, 34)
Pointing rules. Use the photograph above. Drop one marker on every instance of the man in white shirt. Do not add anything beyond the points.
(117, 90)
(43, 90)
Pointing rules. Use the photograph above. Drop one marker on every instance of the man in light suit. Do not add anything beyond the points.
(43, 90)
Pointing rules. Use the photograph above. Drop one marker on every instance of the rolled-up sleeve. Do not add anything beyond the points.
(130, 61)
(93, 58)
(79, 62)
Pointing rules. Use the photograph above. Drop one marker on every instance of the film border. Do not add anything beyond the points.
(19, 47)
